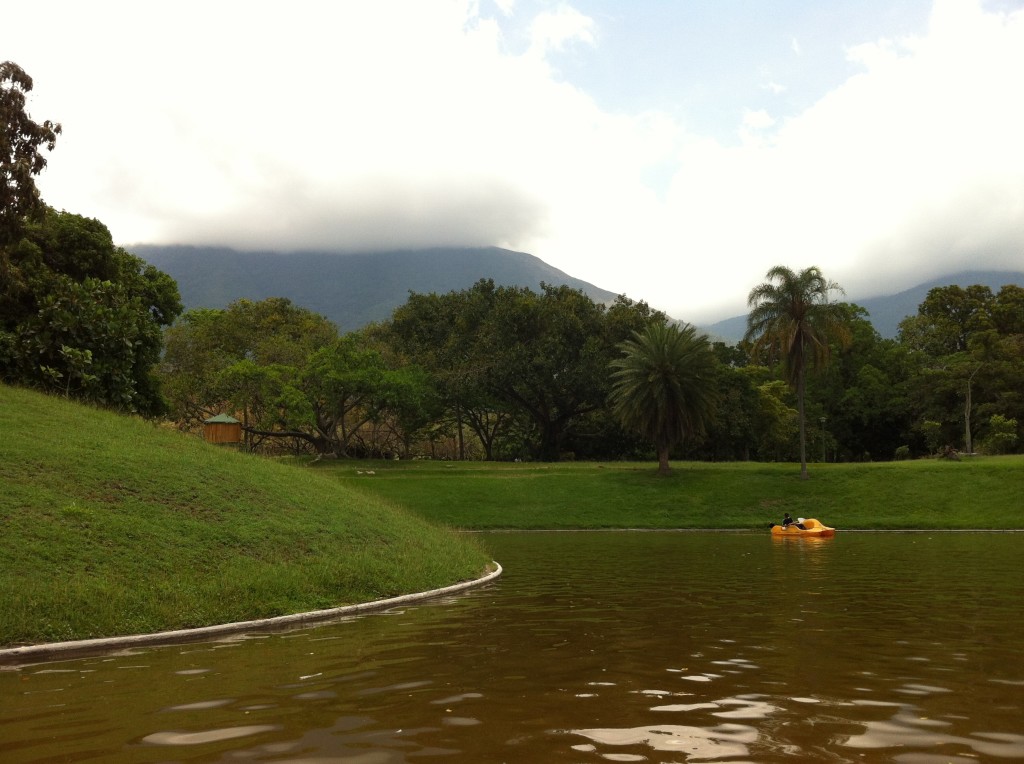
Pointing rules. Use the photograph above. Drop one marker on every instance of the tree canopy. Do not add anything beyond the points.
(517, 361)
(81, 316)
(663, 385)
(21, 159)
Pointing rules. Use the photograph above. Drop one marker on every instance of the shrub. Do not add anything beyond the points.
(1002, 435)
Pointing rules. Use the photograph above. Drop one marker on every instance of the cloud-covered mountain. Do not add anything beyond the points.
(355, 289)
(352, 289)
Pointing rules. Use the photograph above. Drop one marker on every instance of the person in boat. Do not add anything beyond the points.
(787, 521)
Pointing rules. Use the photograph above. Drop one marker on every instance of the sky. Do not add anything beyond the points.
(673, 151)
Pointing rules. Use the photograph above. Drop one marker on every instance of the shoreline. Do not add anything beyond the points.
(47, 651)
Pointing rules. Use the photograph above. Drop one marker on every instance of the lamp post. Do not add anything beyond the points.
(822, 420)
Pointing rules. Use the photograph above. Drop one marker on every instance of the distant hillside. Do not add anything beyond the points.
(352, 290)
(886, 312)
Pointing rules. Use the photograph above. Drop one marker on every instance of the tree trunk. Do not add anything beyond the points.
(458, 427)
(550, 446)
(968, 446)
(663, 466)
(803, 428)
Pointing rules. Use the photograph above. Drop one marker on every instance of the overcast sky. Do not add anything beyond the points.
(671, 150)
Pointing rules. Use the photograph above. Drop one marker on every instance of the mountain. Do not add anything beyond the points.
(355, 289)
(886, 312)
(351, 289)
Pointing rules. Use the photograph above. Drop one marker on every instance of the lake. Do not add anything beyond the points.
(592, 647)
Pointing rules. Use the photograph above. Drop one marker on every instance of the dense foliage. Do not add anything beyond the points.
(504, 373)
(82, 317)
(78, 315)
(526, 372)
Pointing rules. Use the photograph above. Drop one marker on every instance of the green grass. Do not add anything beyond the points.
(110, 525)
(981, 492)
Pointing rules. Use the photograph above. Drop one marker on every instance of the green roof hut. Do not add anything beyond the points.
(222, 429)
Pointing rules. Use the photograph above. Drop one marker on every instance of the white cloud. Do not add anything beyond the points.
(554, 30)
(910, 169)
(378, 125)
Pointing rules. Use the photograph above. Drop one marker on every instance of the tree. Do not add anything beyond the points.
(21, 139)
(862, 394)
(663, 386)
(509, 358)
(438, 333)
(792, 321)
(249, 358)
(78, 315)
(947, 319)
(546, 355)
(82, 317)
(971, 349)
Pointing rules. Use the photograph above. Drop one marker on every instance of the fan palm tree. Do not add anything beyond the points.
(663, 386)
(792, 320)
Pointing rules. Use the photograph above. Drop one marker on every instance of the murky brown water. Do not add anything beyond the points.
(650, 647)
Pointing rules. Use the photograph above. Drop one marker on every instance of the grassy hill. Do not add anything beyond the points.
(111, 525)
(351, 289)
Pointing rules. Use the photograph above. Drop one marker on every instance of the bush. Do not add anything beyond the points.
(902, 453)
(1002, 435)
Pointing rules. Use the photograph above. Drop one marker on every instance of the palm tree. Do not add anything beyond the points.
(663, 386)
(792, 320)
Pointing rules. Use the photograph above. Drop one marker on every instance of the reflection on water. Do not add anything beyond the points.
(654, 647)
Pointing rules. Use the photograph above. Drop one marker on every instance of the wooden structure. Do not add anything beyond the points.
(222, 429)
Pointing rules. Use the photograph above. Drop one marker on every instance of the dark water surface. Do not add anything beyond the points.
(593, 647)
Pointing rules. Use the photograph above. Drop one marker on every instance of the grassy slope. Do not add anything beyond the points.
(975, 493)
(109, 525)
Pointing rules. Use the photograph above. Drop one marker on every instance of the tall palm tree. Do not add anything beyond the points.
(792, 320)
(663, 385)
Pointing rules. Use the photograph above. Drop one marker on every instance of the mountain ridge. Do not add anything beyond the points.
(352, 289)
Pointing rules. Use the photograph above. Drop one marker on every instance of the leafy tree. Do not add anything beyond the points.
(546, 355)
(663, 386)
(731, 433)
(438, 332)
(1002, 434)
(505, 356)
(774, 421)
(21, 139)
(970, 345)
(791, 320)
(247, 357)
(1008, 310)
(863, 394)
(82, 317)
(947, 318)
(294, 380)
(78, 315)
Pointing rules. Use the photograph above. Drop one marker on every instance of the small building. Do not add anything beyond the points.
(222, 429)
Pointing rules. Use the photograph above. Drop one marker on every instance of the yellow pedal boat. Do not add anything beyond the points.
(811, 529)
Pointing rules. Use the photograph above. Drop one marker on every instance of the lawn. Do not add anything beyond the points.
(110, 525)
(980, 492)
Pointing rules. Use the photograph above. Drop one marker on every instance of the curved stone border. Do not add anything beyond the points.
(78, 648)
